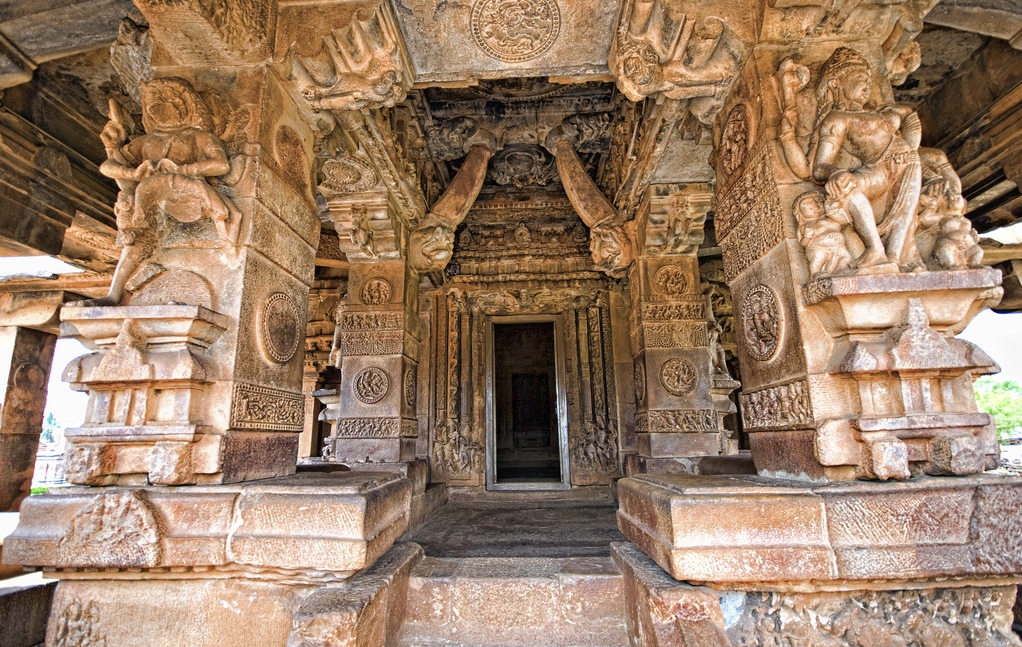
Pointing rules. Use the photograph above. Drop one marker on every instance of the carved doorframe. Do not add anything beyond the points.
(561, 403)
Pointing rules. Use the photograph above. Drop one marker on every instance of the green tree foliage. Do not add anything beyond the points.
(1002, 398)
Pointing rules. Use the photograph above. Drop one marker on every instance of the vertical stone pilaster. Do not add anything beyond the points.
(681, 390)
(845, 327)
(377, 349)
(197, 371)
(25, 358)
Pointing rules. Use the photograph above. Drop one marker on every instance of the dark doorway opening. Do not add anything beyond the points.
(525, 391)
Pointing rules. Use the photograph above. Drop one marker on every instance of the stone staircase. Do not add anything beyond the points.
(515, 602)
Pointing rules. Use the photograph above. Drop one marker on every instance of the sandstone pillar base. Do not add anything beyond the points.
(193, 565)
(663, 612)
(741, 530)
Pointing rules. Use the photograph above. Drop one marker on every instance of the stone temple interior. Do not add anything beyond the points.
(510, 322)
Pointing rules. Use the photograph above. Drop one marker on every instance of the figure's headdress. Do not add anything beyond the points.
(194, 112)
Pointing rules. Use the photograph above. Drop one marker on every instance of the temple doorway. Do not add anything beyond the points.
(526, 443)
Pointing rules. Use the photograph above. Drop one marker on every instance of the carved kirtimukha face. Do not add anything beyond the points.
(611, 250)
(430, 248)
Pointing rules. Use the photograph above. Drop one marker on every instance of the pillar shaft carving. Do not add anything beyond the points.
(681, 380)
(376, 347)
(852, 267)
(196, 370)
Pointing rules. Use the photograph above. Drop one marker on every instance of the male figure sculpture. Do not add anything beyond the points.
(163, 173)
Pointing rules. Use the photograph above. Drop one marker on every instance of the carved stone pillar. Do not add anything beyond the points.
(681, 385)
(25, 357)
(377, 346)
(851, 265)
(197, 366)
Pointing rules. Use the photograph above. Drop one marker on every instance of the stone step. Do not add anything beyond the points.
(515, 602)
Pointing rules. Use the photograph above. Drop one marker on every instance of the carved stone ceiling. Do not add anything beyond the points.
(520, 112)
(943, 52)
(458, 41)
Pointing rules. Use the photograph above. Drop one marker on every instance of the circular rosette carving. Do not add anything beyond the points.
(280, 327)
(348, 175)
(375, 292)
(409, 387)
(678, 376)
(370, 385)
(671, 281)
(761, 318)
(515, 30)
(640, 382)
(734, 142)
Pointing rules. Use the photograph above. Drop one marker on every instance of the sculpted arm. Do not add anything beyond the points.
(831, 136)
(213, 163)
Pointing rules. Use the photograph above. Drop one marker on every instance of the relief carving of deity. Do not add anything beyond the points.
(166, 175)
(888, 205)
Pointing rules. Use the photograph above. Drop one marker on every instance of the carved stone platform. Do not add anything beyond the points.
(662, 611)
(328, 524)
(194, 565)
(734, 530)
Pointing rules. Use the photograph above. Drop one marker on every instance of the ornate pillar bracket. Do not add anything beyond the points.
(611, 239)
(686, 57)
(431, 244)
(357, 61)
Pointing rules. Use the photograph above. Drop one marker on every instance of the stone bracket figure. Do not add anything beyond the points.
(431, 243)
(611, 240)
(684, 58)
(364, 65)
(165, 175)
(883, 193)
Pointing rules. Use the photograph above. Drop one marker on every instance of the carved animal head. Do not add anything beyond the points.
(611, 250)
(430, 248)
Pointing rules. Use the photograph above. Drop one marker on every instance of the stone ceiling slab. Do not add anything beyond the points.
(458, 41)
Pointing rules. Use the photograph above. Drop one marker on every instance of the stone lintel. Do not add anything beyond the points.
(744, 529)
(326, 524)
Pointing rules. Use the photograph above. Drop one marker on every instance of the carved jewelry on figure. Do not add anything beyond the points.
(678, 376)
(761, 317)
(375, 292)
(370, 385)
(515, 30)
(671, 281)
(166, 175)
(281, 327)
(888, 205)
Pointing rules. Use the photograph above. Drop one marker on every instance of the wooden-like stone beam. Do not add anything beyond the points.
(611, 240)
(1001, 20)
(431, 244)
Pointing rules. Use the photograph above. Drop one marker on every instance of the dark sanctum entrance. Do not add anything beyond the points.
(526, 438)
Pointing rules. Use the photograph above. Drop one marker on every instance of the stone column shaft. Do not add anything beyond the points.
(25, 358)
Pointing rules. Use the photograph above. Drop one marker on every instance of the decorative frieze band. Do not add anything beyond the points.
(264, 408)
(677, 421)
(693, 310)
(386, 342)
(680, 334)
(376, 428)
(785, 406)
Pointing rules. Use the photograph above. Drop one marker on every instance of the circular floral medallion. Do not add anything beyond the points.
(348, 175)
(761, 319)
(375, 292)
(370, 385)
(678, 376)
(515, 30)
(410, 387)
(280, 325)
(670, 280)
(640, 382)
